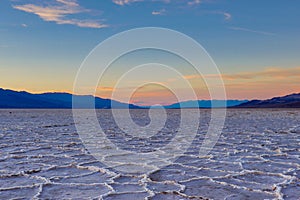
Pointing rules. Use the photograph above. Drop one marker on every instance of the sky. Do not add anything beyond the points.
(255, 44)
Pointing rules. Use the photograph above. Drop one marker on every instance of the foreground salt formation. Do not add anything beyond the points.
(256, 157)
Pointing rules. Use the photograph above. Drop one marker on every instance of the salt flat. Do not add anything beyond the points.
(256, 157)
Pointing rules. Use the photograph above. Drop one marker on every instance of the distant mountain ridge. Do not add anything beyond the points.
(206, 104)
(14, 99)
(288, 101)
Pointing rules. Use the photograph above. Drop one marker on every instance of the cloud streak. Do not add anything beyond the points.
(59, 12)
(251, 31)
(227, 15)
(271, 72)
(125, 2)
(272, 81)
(267, 73)
(194, 2)
(159, 12)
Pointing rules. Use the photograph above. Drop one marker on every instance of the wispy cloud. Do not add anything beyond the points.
(124, 2)
(227, 15)
(127, 2)
(159, 12)
(271, 72)
(266, 83)
(71, 3)
(59, 11)
(105, 89)
(194, 2)
(251, 30)
(192, 76)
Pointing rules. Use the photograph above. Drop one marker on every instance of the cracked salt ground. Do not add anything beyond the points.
(256, 157)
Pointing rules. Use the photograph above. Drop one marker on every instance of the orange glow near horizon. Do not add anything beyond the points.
(245, 85)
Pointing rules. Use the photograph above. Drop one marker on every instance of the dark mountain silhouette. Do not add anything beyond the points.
(288, 101)
(207, 104)
(13, 99)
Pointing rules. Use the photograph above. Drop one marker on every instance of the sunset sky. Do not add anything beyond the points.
(255, 44)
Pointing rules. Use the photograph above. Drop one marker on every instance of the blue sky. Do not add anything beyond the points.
(43, 43)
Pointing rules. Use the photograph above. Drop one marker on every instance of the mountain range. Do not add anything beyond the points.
(26, 100)
(288, 101)
(206, 104)
(14, 99)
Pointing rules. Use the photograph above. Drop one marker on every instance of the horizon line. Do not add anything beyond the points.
(71, 93)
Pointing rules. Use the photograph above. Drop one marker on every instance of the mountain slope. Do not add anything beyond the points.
(13, 99)
(207, 104)
(288, 101)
